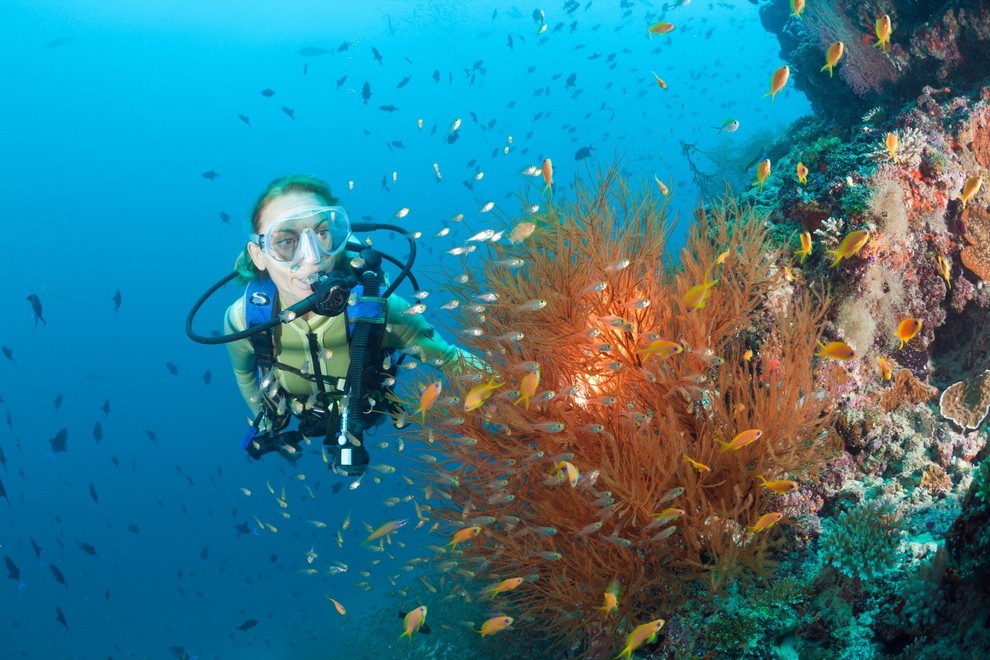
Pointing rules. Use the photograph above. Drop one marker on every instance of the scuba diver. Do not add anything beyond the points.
(315, 336)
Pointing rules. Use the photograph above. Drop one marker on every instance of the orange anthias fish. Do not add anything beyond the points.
(495, 624)
(508, 584)
(547, 169)
(660, 27)
(663, 188)
(970, 188)
(802, 174)
(521, 232)
(611, 598)
(464, 534)
(413, 621)
(850, 245)
(340, 608)
(797, 6)
(893, 143)
(480, 393)
(778, 80)
(527, 387)
(832, 56)
(700, 467)
(907, 330)
(779, 486)
(639, 635)
(762, 172)
(659, 80)
(883, 30)
(766, 521)
(836, 350)
(742, 439)
(428, 398)
(805, 248)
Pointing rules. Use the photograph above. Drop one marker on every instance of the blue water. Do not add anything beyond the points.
(111, 113)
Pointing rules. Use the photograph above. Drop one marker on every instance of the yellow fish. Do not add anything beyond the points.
(639, 635)
(797, 6)
(802, 174)
(762, 172)
(660, 27)
(495, 624)
(478, 394)
(885, 371)
(384, 530)
(527, 387)
(662, 347)
(780, 486)
(832, 56)
(663, 189)
(883, 29)
(340, 608)
(413, 621)
(508, 584)
(945, 269)
(766, 521)
(907, 330)
(700, 467)
(742, 439)
(805, 249)
(893, 142)
(850, 245)
(970, 188)
(778, 80)
(836, 350)
(429, 397)
(464, 534)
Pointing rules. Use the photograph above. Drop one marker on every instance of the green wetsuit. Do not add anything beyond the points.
(292, 348)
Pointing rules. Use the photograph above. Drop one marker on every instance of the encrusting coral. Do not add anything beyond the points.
(967, 402)
(618, 465)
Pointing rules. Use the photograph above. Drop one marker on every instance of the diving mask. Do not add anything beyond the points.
(314, 233)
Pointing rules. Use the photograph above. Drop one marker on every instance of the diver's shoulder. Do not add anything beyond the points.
(235, 317)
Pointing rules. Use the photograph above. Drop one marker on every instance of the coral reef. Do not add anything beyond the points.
(585, 478)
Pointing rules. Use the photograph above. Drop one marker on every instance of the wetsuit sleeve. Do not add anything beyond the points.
(242, 357)
(412, 329)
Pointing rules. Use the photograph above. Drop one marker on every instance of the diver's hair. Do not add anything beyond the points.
(304, 183)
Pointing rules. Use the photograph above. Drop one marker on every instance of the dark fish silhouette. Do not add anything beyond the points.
(8, 353)
(509, 41)
(207, 377)
(36, 548)
(436, 76)
(245, 119)
(397, 144)
(98, 432)
(180, 653)
(582, 153)
(133, 528)
(106, 407)
(247, 625)
(13, 572)
(58, 401)
(60, 617)
(151, 435)
(60, 441)
(344, 46)
(403, 82)
(313, 51)
(210, 174)
(172, 369)
(57, 573)
(388, 108)
(377, 55)
(305, 69)
(204, 553)
(224, 217)
(243, 528)
(289, 111)
(61, 41)
(87, 548)
(36, 311)
(366, 93)
(571, 79)
(337, 486)
(268, 93)
(93, 495)
(3, 493)
(116, 300)
(341, 81)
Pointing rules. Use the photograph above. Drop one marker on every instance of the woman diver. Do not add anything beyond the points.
(313, 335)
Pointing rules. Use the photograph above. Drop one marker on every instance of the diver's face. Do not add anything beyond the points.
(292, 279)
